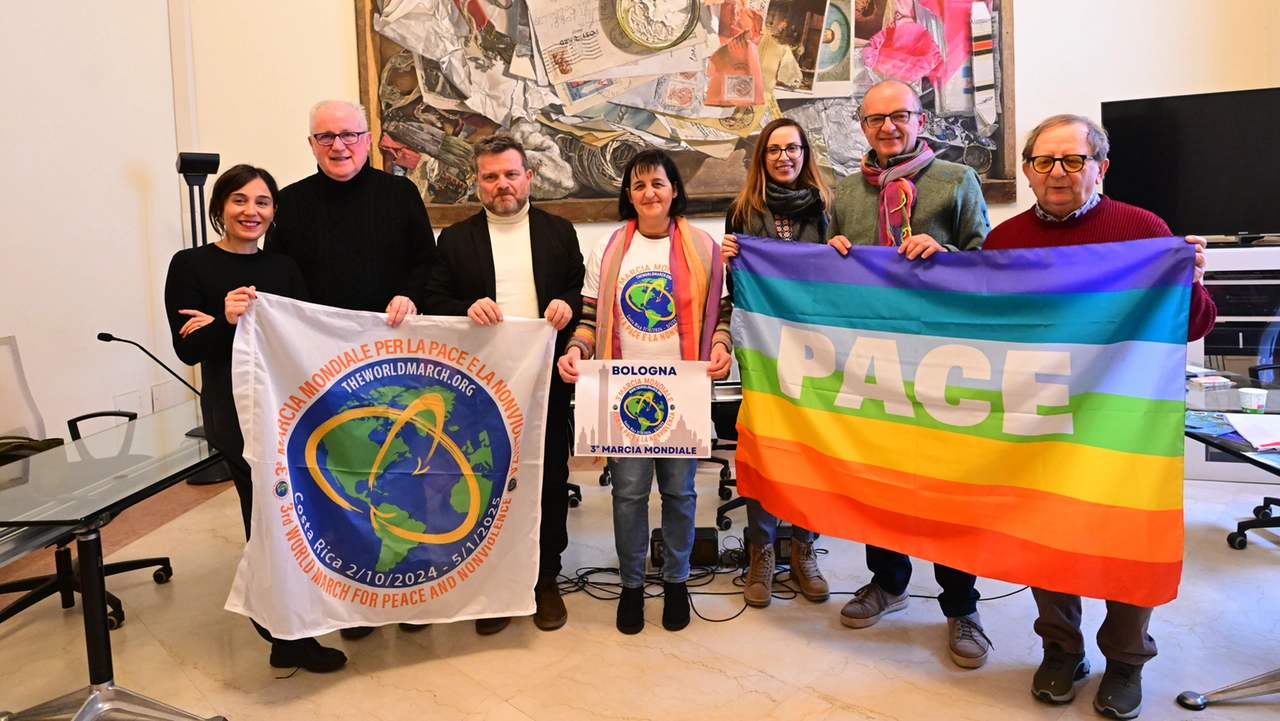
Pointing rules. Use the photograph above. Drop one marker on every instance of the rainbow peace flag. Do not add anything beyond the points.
(1016, 414)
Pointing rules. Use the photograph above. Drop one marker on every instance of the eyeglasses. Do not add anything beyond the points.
(347, 138)
(899, 117)
(1070, 163)
(793, 151)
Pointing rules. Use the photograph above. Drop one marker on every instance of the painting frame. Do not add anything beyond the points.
(999, 184)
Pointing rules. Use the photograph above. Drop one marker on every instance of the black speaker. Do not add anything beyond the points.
(198, 163)
(706, 548)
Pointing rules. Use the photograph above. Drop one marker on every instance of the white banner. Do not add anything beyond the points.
(397, 472)
(642, 408)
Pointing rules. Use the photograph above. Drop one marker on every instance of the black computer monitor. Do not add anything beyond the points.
(1207, 164)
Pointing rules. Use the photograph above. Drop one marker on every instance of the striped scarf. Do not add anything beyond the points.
(695, 273)
(897, 192)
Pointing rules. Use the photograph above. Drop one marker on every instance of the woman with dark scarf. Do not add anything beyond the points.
(786, 198)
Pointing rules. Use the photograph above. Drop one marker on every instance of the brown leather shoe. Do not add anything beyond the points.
(758, 587)
(804, 569)
(551, 613)
(490, 626)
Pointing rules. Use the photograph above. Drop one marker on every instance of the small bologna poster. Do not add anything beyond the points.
(643, 408)
(397, 472)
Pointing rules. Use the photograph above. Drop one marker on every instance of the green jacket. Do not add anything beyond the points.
(949, 208)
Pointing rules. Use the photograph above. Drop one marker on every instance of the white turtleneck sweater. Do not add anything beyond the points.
(513, 264)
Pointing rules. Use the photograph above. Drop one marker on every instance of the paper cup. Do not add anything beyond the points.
(1253, 400)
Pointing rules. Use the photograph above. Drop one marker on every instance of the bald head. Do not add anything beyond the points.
(891, 119)
(895, 91)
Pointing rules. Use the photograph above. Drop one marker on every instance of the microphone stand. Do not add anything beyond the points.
(108, 338)
(214, 474)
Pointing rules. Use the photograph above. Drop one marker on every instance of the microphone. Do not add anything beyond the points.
(108, 338)
(218, 473)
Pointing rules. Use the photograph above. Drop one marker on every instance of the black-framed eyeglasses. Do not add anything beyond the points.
(793, 151)
(898, 117)
(347, 137)
(1043, 164)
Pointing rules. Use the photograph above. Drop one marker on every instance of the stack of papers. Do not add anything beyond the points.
(1194, 371)
(1262, 431)
(1211, 383)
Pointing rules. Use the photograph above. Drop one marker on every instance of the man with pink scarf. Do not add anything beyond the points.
(906, 198)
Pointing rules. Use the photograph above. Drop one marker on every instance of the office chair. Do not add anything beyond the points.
(575, 491)
(1255, 372)
(22, 417)
(1263, 514)
(724, 416)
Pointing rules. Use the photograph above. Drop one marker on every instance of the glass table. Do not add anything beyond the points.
(81, 486)
(1228, 401)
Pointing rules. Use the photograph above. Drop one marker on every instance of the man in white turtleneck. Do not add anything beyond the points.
(514, 260)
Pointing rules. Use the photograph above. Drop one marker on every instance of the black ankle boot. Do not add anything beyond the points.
(675, 606)
(306, 653)
(631, 611)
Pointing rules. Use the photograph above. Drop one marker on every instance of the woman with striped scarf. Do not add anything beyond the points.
(654, 291)
(785, 197)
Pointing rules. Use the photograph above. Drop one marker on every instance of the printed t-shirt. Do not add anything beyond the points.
(646, 297)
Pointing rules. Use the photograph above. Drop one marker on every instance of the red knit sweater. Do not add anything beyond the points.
(1109, 221)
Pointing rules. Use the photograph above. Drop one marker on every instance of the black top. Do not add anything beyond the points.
(360, 242)
(199, 279)
(810, 228)
(463, 269)
(807, 228)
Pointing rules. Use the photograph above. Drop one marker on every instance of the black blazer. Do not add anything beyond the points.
(462, 270)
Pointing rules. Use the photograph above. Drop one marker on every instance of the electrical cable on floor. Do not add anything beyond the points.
(733, 560)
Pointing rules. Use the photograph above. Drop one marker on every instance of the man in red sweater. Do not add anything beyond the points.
(1065, 159)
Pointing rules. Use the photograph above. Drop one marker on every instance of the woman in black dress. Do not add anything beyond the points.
(207, 290)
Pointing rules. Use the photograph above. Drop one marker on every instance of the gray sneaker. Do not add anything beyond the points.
(968, 643)
(869, 604)
(1055, 680)
(758, 589)
(1120, 692)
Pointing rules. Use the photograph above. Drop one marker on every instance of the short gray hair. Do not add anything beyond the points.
(356, 108)
(1099, 144)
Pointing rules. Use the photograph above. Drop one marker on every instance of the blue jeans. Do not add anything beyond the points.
(762, 526)
(632, 483)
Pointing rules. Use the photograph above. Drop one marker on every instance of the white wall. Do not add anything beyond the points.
(1072, 56)
(259, 67)
(88, 197)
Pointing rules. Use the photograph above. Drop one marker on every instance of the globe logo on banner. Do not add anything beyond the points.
(647, 302)
(398, 469)
(643, 409)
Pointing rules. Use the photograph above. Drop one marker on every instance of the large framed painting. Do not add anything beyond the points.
(587, 84)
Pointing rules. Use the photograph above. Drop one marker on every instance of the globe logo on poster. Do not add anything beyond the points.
(648, 304)
(398, 469)
(643, 409)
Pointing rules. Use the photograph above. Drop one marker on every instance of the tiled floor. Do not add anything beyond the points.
(790, 661)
